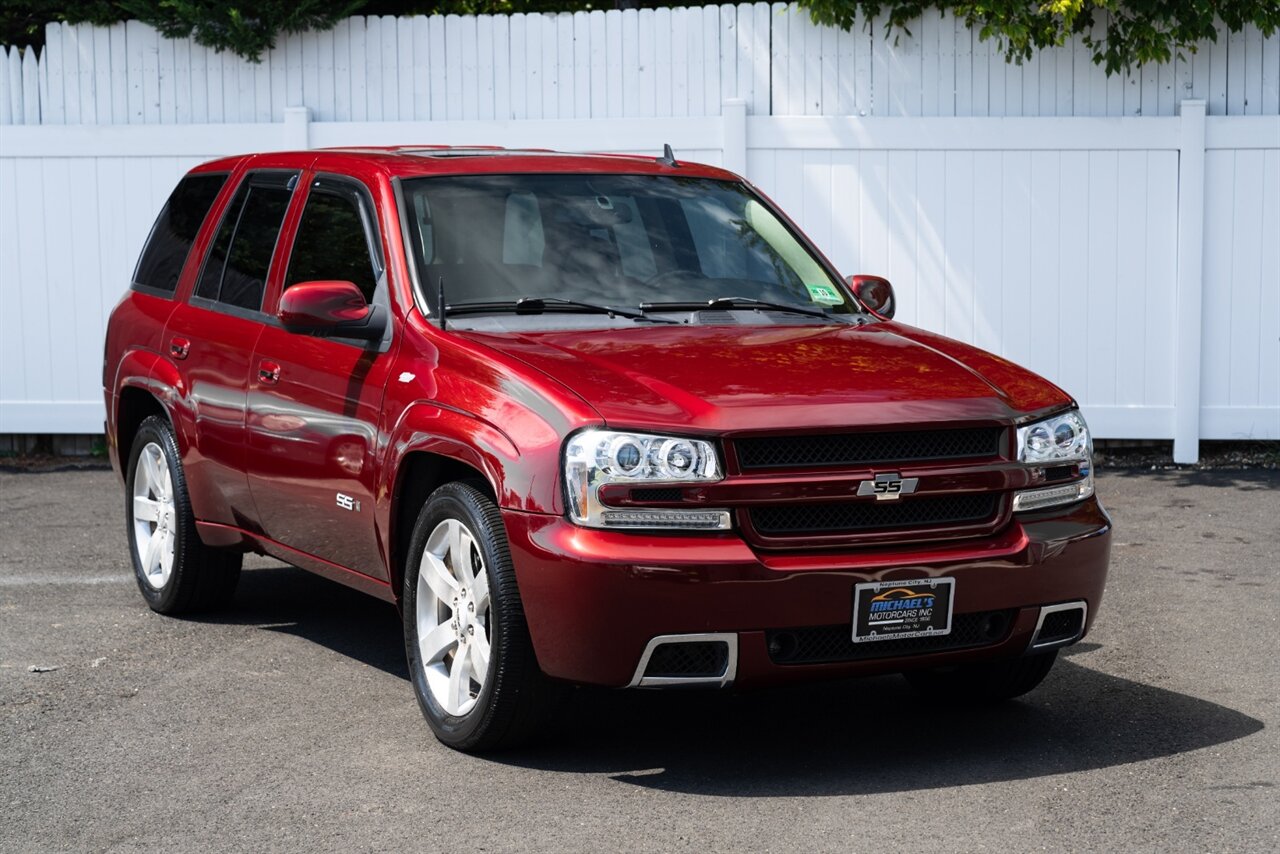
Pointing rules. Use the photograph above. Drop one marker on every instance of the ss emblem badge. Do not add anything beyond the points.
(888, 487)
(346, 502)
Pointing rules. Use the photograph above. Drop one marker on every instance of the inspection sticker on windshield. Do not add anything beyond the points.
(896, 610)
(824, 294)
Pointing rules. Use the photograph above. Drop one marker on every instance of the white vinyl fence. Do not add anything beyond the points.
(618, 64)
(1135, 260)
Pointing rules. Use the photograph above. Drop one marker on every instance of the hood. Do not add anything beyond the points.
(724, 379)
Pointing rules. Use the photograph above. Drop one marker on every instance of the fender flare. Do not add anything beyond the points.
(153, 373)
(452, 434)
(428, 426)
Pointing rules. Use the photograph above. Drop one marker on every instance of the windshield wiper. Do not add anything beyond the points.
(539, 305)
(736, 302)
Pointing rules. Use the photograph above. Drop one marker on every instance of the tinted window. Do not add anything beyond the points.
(615, 239)
(332, 243)
(175, 230)
(236, 270)
(216, 259)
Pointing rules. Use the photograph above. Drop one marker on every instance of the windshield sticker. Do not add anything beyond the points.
(824, 294)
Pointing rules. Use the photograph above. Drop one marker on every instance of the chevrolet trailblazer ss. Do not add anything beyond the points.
(588, 419)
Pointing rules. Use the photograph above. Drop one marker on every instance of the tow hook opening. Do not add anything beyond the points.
(1058, 626)
(695, 660)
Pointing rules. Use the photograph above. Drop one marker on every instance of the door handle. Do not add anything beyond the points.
(268, 373)
(179, 348)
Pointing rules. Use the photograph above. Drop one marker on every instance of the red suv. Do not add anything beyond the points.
(586, 419)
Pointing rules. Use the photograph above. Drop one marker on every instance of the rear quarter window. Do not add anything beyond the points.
(175, 230)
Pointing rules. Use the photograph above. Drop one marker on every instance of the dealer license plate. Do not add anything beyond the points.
(896, 610)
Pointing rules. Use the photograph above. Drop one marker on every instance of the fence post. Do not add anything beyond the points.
(1190, 293)
(30, 87)
(6, 117)
(297, 128)
(14, 61)
(733, 117)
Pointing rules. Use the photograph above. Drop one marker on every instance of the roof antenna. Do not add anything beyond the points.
(668, 157)
(440, 302)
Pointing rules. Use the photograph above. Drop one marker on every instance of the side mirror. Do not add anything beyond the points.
(875, 294)
(330, 308)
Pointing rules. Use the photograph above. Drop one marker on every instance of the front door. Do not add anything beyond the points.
(315, 403)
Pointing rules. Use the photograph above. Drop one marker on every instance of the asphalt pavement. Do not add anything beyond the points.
(288, 722)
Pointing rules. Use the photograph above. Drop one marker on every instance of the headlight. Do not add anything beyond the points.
(595, 458)
(1063, 440)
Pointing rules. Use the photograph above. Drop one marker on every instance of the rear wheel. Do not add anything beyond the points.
(470, 656)
(176, 572)
(987, 681)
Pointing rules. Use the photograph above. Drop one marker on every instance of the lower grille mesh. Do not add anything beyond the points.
(823, 644)
(860, 516)
(1060, 625)
(696, 658)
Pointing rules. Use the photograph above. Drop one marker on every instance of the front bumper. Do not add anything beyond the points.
(594, 599)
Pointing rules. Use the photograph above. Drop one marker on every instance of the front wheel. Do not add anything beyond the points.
(470, 656)
(176, 572)
(986, 681)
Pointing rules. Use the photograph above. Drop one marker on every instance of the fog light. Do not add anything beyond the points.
(700, 520)
(1052, 496)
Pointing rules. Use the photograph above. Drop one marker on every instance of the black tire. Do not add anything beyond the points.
(515, 698)
(201, 578)
(984, 682)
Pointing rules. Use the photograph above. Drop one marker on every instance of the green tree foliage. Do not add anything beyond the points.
(1135, 31)
(22, 21)
(244, 27)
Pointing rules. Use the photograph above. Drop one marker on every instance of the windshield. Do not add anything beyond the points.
(618, 240)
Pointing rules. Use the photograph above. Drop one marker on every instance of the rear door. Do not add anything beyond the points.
(211, 338)
(315, 403)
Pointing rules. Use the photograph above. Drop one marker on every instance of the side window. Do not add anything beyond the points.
(746, 243)
(175, 230)
(332, 242)
(235, 273)
(216, 260)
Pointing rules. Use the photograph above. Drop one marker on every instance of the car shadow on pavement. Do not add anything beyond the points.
(280, 598)
(836, 738)
(875, 735)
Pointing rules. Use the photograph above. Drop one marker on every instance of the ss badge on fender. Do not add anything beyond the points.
(346, 502)
(888, 487)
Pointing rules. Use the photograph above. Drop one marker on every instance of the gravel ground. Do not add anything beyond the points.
(1214, 456)
(288, 723)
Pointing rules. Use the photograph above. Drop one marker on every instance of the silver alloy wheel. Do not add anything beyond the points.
(154, 517)
(453, 617)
